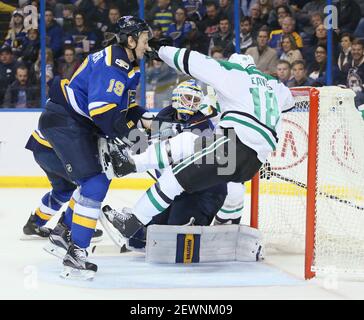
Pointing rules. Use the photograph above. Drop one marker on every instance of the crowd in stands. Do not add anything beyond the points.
(287, 39)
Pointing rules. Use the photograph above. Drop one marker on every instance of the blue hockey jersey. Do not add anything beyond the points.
(103, 91)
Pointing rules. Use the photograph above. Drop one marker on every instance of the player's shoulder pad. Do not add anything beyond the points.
(117, 57)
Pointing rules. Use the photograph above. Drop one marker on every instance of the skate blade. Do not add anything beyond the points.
(32, 237)
(76, 274)
(55, 250)
(95, 240)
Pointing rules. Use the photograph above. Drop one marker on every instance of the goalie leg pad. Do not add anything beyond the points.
(193, 244)
(249, 244)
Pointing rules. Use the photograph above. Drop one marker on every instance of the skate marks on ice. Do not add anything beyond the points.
(130, 271)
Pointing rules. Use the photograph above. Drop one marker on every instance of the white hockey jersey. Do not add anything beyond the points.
(250, 101)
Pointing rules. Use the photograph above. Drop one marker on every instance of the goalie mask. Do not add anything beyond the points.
(186, 98)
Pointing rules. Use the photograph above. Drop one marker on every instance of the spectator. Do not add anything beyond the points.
(35, 70)
(288, 27)
(317, 70)
(209, 25)
(349, 15)
(114, 16)
(157, 31)
(21, 93)
(355, 74)
(246, 7)
(67, 68)
(310, 8)
(162, 13)
(67, 13)
(55, 7)
(217, 53)
(246, 37)
(357, 63)
(178, 30)
(227, 9)
(7, 70)
(17, 33)
(30, 48)
(54, 34)
(345, 51)
(264, 57)
(99, 15)
(81, 37)
(299, 72)
(265, 8)
(283, 71)
(196, 40)
(320, 37)
(276, 17)
(257, 22)
(290, 51)
(195, 9)
(309, 30)
(224, 37)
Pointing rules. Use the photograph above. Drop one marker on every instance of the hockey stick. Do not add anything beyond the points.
(267, 172)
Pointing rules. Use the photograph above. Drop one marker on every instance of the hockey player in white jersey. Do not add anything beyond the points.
(250, 103)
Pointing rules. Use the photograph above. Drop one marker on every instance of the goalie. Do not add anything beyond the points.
(182, 119)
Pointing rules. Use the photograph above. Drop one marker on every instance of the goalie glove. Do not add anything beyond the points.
(114, 158)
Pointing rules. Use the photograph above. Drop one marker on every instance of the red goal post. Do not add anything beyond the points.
(293, 194)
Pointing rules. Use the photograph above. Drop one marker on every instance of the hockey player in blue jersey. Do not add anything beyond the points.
(100, 99)
(183, 116)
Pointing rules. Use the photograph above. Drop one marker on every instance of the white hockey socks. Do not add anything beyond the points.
(162, 154)
(158, 197)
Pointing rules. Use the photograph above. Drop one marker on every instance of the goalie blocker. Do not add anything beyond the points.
(193, 244)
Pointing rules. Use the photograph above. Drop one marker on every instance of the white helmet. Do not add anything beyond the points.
(245, 60)
(187, 97)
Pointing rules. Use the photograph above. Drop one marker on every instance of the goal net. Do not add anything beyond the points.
(310, 195)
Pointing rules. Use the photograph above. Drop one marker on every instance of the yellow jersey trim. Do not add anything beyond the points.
(41, 140)
(64, 82)
(108, 59)
(103, 109)
(80, 68)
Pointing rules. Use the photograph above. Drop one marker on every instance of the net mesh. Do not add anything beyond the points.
(339, 232)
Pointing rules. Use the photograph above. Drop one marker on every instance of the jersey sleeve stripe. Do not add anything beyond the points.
(41, 140)
(252, 126)
(103, 109)
(175, 60)
(185, 61)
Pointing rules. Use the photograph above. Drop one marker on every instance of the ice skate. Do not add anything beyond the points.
(76, 265)
(31, 231)
(60, 239)
(125, 221)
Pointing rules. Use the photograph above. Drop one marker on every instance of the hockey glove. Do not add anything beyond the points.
(155, 44)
